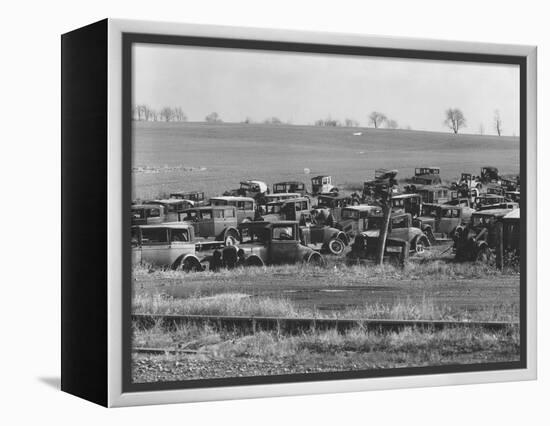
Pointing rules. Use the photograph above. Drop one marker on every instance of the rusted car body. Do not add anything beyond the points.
(439, 222)
(400, 231)
(325, 238)
(322, 185)
(436, 194)
(426, 176)
(218, 222)
(477, 240)
(195, 198)
(354, 219)
(143, 214)
(246, 206)
(275, 197)
(270, 243)
(167, 245)
(335, 203)
(290, 187)
(407, 203)
(250, 188)
(290, 209)
(488, 200)
(514, 196)
(172, 206)
(489, 174)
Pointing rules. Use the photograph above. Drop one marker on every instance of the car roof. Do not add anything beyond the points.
(232, 198)
(492, 212)
(170, 225)
(289, 182)
(187, 192)
(336, 196)
(399, 196)
(514, 214)
(362, 207)
(210, 208)
(290, 200)
(282, 194)
(267, 224)
(166, 201)
(146, 206)
(486, 195)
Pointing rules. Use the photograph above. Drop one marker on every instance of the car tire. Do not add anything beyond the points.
(191, 265)
(336, 246)
(230, 240)
(315, 259)
(419, 247)
(485, 255)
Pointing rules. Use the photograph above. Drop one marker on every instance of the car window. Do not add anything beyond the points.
(229, 213)
(180, 235)
(283, 233)
(154, 212)
(399, 222)
(154, 235)
(248, 205)
(218, 213)
(206, 214)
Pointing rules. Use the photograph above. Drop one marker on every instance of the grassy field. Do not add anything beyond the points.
(215, 157)
(430, 291)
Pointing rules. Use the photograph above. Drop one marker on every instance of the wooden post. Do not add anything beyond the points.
(384, 231)
(499, 245)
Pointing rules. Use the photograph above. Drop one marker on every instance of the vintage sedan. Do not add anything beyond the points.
(400, 231)
(172, 207)
(217, 222)
(270, 243)
(354, 219)
(290, 209)
(290, 187)
(427, 176)
(195, 198)
(246, 206)
(143, 214)
(439, 222)
(167, 245)
(325, 238)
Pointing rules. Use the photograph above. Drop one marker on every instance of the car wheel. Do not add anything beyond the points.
(419, 247)
(315, 259)
(336, 246)
(191, 265)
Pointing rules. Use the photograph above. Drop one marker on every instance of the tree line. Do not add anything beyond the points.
(454, 119)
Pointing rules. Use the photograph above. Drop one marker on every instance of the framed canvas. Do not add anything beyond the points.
(252, 213)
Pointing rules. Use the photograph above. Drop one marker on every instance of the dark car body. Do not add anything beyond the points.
(290, 209)
(440, 221)
(196, 197)
(270, 243)
(218, 222)
(172, 206)
(143, 214)
(426, 176)
(489, 174)
(354, 219)
(290, 187)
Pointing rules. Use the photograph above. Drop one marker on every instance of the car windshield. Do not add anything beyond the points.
(180, 235)
(283, 233)
(191, 215)
(274, 209)
(374, 223)
(350, 214)
(429, 211)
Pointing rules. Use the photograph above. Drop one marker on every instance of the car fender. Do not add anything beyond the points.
(182, 259)
(231, 230)
(342, 236)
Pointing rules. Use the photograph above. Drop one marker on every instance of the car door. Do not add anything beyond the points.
(155, 246)
(449, 220)
(283, 244)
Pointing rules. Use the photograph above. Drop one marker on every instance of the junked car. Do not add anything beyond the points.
(217, 222)
(196, 198)
(407, 203)
(290, 187)
(489, 174)
(275, 197)
(427, 176)
(354, 219)
(400, 230)
(250, 188)
(335, 203)
(270, 243)
(290, 209)
(324, 238)
(439, 222)
(168, 245)
(477, 240)
(246, 206)
(322, 184)
(143, 214)
(172, 206)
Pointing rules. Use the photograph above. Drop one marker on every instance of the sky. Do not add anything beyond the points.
(302, 88)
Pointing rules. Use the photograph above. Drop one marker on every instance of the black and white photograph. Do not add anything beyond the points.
(301, 214)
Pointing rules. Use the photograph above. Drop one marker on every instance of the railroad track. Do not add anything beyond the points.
(246, 324)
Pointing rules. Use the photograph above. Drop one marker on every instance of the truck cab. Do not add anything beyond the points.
(322, 184)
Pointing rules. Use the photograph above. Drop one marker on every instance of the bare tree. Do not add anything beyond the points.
(392, 124)
(498, 122)
(179, 115)
(377, 118)
(350, 122)
(166, 114)
(454, 119)
(213, 117)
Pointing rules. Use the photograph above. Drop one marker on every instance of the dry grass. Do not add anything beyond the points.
(236, 304)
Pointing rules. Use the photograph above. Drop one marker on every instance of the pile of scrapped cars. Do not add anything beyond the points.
(253, 226)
